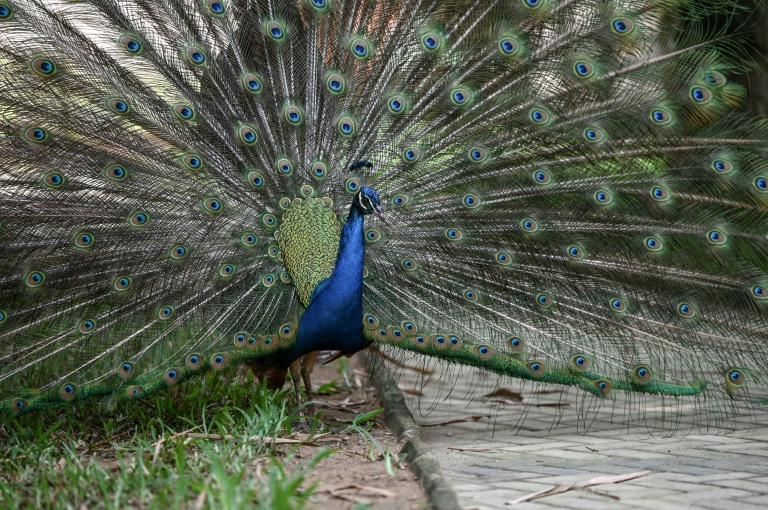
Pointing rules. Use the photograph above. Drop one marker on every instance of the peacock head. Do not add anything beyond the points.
(367, 201)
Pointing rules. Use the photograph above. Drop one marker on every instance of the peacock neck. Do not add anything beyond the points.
(349, 262)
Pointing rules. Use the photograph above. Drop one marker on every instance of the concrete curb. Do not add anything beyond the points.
(420, 458)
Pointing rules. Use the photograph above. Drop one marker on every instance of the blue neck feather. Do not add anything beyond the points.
(333, 320)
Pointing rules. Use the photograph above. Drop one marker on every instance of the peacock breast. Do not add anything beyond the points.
(308, 239)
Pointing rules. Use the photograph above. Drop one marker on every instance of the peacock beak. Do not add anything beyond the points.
(377, 210)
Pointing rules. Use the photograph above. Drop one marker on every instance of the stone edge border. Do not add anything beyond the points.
(420, 458)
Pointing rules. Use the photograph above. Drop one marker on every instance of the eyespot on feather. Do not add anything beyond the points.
(43, 66)
(453, 234)
(212, 205)
(179, 252)
(439, 341)
(68, 391)
(346, 126)
(618, 305)
(268, 343)
(122, 283)
(431, 42)
(247, 135)
(686, 310)
(115, 172)
(216, 7)
(126, 370)
(516, 345)
(192, 161)
(36, 134)
(252, 83)
(34, 279)
(575, 252)
(604, 386)
(226, 271)
(454, 342)
(83, 240)
(659, 194)
(219, 361)
(360, 48)
(483, 351)
(172, 376)
(579, 362)
(641, 374)
(395, 334)
(293, 115)
(477, 154)
(536, 368)
(735, 378)
(284, 167)
(134, 392)
(529, 225)
(759, 292)
(19, 405)
(508, 46)
(370, 321)
(583, 69)
(593, 135)
(603, 197)
(411, 154)
(287, 332)
(240, 339)
(539, 116)
(622, 26)
(131, 44)
(336, 83)
(700, 95)
(194, 361)
(119, 106)
(722, 166)
(195, 56)
(87, 326)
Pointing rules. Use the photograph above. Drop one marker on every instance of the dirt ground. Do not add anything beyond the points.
(349, 479)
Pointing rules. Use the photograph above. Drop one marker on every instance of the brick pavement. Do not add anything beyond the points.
(570, 439)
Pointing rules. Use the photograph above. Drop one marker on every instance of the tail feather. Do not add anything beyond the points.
(574, 175)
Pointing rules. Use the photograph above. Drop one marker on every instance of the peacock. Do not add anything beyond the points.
(558, 191)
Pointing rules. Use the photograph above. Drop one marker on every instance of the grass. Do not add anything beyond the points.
(208, 445)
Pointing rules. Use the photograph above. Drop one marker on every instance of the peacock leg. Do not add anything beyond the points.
(307, 365)
(295, 369)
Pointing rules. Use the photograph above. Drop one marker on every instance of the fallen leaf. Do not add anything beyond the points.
(409, 391)
(600, 480)
(557, 489)
(507, 394)
(361, 488)
(458, 420)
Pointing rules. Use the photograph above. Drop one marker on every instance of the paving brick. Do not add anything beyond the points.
(537, 447)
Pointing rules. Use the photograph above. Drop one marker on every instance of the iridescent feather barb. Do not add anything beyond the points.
(572, 195)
